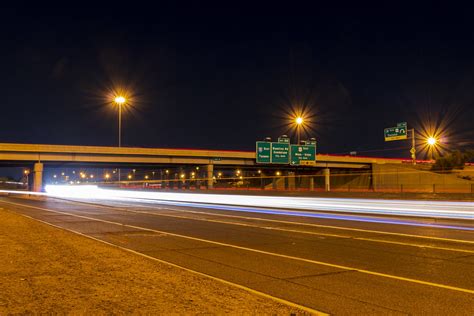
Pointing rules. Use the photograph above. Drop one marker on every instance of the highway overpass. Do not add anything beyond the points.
(40, 154)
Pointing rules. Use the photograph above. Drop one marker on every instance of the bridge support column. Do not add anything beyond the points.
(327, 179)
(210, 174)
(311, 183)
(38, 177)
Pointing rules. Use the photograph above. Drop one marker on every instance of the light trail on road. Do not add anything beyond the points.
(308, 214)
(431, 209)
(277, 205)
(438, 209)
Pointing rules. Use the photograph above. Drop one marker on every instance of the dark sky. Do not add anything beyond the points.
(224, 77)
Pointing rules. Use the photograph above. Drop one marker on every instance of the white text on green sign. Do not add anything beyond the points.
(280, 153)
(263, 152)
(301, 153)
(395, 133)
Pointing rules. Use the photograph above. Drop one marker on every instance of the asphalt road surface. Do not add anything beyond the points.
(343, 264)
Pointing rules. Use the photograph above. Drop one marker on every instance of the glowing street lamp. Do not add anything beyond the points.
(119, 100)
(26, 172)
(432, 143)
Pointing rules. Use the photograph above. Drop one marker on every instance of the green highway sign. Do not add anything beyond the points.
(284, 153)
(311, 141)
(396, 133)
(263, 154)
(283, 139)
(402, 124)
(303, 155)
(280, 153)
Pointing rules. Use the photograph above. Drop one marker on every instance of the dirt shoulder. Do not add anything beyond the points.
(47, 270)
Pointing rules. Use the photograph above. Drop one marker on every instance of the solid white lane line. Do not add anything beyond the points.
(266, 227)
(443, 286)
(299, 223)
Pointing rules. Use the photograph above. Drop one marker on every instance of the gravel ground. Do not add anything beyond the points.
(50, 271)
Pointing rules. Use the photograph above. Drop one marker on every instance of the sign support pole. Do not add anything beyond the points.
(413, 146)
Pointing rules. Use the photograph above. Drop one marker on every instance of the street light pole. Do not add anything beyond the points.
(299, 133)
(119, 133)
(119, 100)
(120, 125)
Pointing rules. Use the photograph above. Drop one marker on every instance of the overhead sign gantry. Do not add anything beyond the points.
(282, 152)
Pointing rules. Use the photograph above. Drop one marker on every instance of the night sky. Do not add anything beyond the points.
(224, 77)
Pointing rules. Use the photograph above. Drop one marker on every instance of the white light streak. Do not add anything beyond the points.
(440, 209)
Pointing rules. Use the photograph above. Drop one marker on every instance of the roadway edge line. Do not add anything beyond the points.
(285, 222)
(305, 224)
(239, 286)
(267, 228)
(443, 286)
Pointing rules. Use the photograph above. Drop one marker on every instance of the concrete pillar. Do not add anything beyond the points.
(311, 183)
(38, 177)
(373, 178)
(327, 179)
(290, 181)
(210, 174)
(274, 183)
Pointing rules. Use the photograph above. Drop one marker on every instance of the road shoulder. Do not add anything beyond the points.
(48, 270)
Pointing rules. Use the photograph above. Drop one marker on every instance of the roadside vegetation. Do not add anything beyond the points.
(453, 160)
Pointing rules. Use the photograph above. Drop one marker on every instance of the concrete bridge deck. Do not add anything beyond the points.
(138, 155)
(40, 154)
